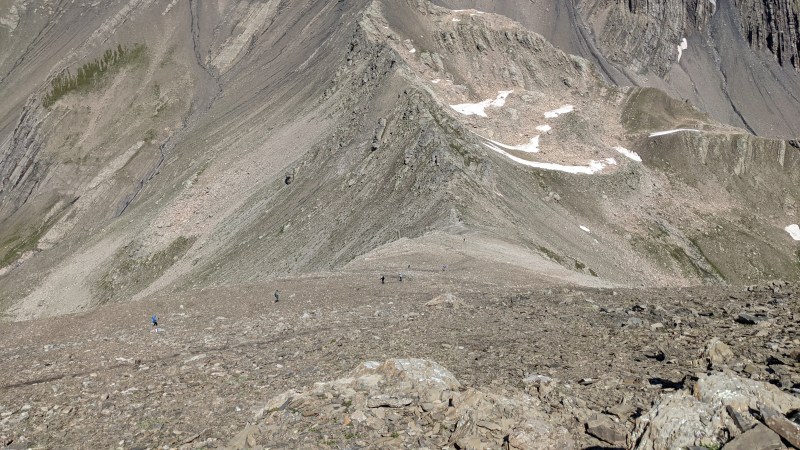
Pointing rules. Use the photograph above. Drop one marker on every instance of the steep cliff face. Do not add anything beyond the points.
(644, 36)
(773, 25)
(735, 60)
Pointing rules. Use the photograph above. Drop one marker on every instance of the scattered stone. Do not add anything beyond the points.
(741, 422)
(447, 300)
(603, 428)
(388, 401)
(749, 319)
(717, 354)
(623, 411)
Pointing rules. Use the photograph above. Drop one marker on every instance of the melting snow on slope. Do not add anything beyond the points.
(531, 147)
(479, 109)
(683, 46)
(557, 112)
(629, 154)
(592, 168)
(678, 130)
(794, 231)
(544, 128)
(585, 229)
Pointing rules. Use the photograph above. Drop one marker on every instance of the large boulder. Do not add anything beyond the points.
(709, 415)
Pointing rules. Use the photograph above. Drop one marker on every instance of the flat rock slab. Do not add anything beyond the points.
(388, 401)
(759, 438)
(781, 425)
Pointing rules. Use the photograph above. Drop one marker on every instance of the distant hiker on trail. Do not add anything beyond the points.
(383, 279)
(154, 319)
(401, 277)
(444, 267)
(277, 296)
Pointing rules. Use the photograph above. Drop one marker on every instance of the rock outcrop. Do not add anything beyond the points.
(719, 409)
(402, 403)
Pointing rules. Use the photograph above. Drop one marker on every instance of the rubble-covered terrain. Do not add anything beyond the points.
(231, 367)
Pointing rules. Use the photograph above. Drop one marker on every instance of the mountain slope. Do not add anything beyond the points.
(236, 143)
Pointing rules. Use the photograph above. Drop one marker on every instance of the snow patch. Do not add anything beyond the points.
(169, 7)
(592, 168)
(436, 81)
(531, 147)
(585, 229)
(629, 154)
(479, 109)
(681, 47)
(413, 50)
(544, 128)
(794, 231)
(557, 112)
(678, 130)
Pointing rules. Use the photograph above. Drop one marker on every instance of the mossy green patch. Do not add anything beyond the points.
(130, 274)
(92, 73)
(23, 241)
(550, 254)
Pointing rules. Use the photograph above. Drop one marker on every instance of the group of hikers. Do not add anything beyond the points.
(277, 295)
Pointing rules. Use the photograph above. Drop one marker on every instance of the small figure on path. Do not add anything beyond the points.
(444, 267)
(401, 277)
(383, 279)
(154, 319)
(277, 296)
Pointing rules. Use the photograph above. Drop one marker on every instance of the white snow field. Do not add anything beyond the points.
(794, 231)
(479, 109)
(677, 130)
(629, 154)
(557, 112)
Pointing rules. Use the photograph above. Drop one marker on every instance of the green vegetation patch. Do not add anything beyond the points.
(18, 245)
(92, 73)
(130, 274)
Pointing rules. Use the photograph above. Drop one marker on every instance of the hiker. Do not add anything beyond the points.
(277, 296)
(383, 279)
(444, 267)
(401, 277)
(154, 319)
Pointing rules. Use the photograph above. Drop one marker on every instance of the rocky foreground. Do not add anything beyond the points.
(345, 362)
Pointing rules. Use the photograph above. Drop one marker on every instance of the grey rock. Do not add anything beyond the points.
(750, 319)
(717, 353)
(781, 425)
(687, 418)
(604, 429)
(388, 401)
(759, 438)
(739, 419)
